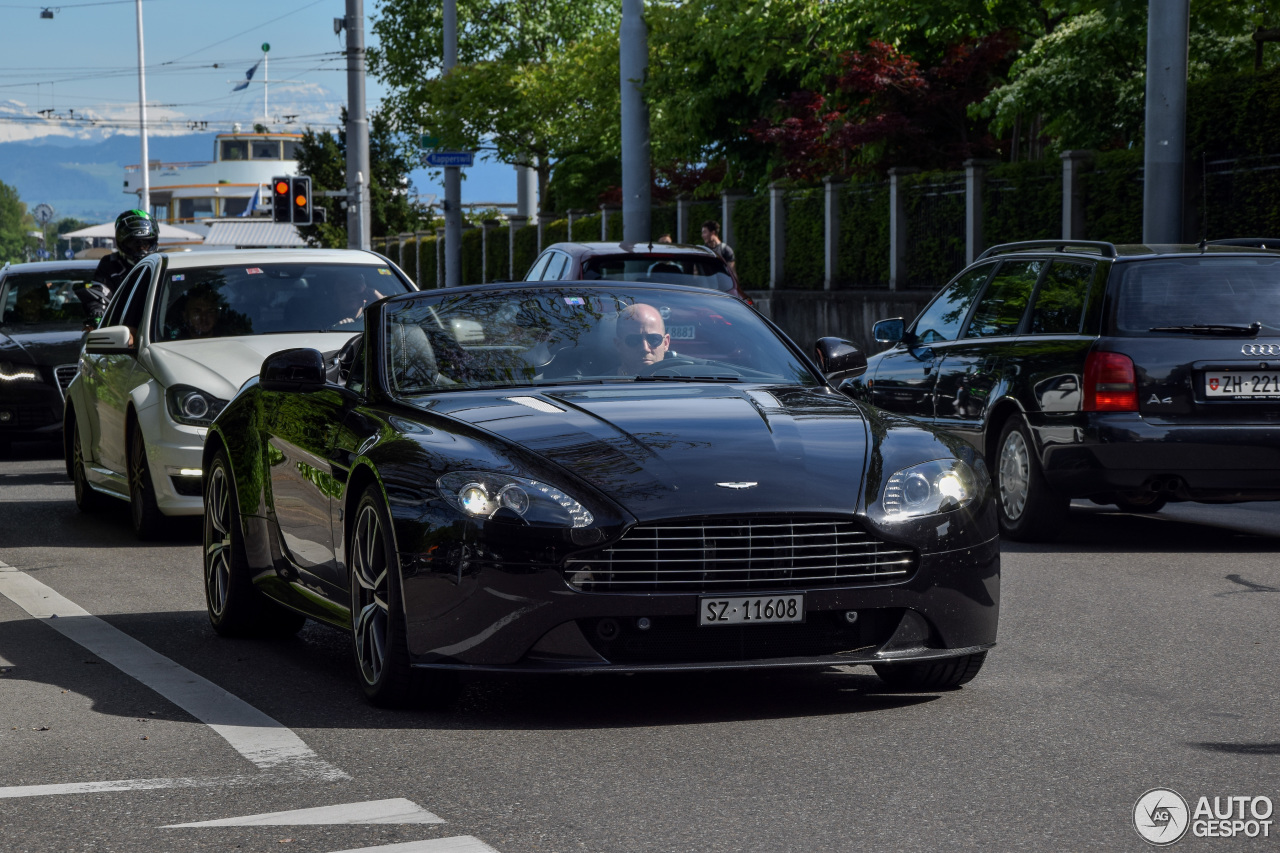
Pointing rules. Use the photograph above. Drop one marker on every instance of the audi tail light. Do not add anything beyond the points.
(1110, 384)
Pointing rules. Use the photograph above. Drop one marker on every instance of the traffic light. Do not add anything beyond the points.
(282, 200)
(301, 200)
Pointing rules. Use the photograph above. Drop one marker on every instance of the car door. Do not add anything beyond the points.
(973, 368)
(906, 375)
(300, 432)
(111, 376)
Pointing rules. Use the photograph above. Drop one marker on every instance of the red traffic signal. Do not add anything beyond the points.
(281, 207)
(301, 194)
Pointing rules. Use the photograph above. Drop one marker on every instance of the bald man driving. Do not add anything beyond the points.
(642, 338)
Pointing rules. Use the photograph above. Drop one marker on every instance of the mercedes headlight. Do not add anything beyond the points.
(930, 487)
(14, 373)
(482, 494)
(191, 406)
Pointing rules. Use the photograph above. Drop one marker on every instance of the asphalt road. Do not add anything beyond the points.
(1138, 652)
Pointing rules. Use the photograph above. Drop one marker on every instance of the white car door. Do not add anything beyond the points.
(112, 376)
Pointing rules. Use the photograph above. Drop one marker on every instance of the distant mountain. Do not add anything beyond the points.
(86, 179)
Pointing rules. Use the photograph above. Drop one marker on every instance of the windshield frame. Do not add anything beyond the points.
(382, 373)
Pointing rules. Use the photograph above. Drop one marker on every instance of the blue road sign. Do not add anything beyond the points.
(465, 159)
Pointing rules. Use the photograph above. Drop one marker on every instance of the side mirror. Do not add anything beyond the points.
(299, 370)
(110, 340)
(889, 331)
(839, 360)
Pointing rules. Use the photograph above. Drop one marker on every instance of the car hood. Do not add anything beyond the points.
(219, 366)
(49, 348)
(666, 450)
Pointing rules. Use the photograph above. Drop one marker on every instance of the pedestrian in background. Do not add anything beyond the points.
(711, 236)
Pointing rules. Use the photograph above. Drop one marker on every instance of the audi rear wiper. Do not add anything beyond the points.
(1250, 330)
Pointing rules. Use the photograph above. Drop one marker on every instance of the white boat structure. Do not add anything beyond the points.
(227, 199)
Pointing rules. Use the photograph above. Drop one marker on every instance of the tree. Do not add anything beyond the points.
(323, 156)
(883, 108)
(527, 82)
(13, 224)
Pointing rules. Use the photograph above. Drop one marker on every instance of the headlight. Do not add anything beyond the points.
(930, 487)
(192, 406)
(13, 373)
(482, 494)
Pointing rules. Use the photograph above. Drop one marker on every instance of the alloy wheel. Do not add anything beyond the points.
(77, 469)
(137, 483)
(369, 572)
(217, 540)
(1015, 474)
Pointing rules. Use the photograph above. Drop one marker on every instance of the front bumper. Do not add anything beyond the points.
(532, 621)
(30, 411)
(174, 455)
(1129, 453)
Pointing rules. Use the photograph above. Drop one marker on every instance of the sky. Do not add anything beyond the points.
(83, 64)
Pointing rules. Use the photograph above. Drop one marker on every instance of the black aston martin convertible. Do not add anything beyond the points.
(588, 478)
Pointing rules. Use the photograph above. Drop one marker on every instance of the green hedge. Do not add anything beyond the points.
(615, 226)
(409, 258)
(1023, 201)
(1234, 115)
(662, 220)
(863, 247)
(555, 232)
(428, 249)
(803, 266)
(751, 236)
(526, 248)
(586, 229)
(497, 257)
(1112, 196)
(471, 247)
(934, 204)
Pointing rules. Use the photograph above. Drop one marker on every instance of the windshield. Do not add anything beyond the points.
(548, 336)
(257, 298)
(694, 271)
(43, 301)
(1198, 292)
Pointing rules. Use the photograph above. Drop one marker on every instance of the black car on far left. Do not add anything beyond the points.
(41, 326)
(539, 478)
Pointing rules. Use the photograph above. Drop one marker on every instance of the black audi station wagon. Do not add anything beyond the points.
(540, 478)
(1129, 375)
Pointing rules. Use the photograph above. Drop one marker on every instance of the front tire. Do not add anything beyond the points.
(148, 522)
(378, 619)
(1029, 510)
(236, 607)
(932, 675)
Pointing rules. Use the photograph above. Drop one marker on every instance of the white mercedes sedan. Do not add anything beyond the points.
(182, 333)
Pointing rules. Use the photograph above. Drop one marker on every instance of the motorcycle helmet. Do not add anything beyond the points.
(137, 234)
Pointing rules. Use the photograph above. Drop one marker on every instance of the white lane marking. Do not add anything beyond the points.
(375, 811)
(16, 791)
(456, 844)
(259, 738)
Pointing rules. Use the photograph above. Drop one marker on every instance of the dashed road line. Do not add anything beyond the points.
(456, 844)
(374, 811)
(16, 791)
(268, 744)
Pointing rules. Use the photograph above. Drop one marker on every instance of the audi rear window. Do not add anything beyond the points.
(1186, 292)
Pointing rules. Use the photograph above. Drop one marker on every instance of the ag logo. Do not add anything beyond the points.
(1161, 816)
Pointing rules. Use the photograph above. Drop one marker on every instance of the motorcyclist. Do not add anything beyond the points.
(137, 235)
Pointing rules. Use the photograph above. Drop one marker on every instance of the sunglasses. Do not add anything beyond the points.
(653, 339)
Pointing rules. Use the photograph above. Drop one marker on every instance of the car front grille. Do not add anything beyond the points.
(720, 555)
(64, 374)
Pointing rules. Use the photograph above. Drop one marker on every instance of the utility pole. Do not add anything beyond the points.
(633, 61)
(527, 189)
(359, 230)
(1164, 150)
(452, 174)
(144, 195)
